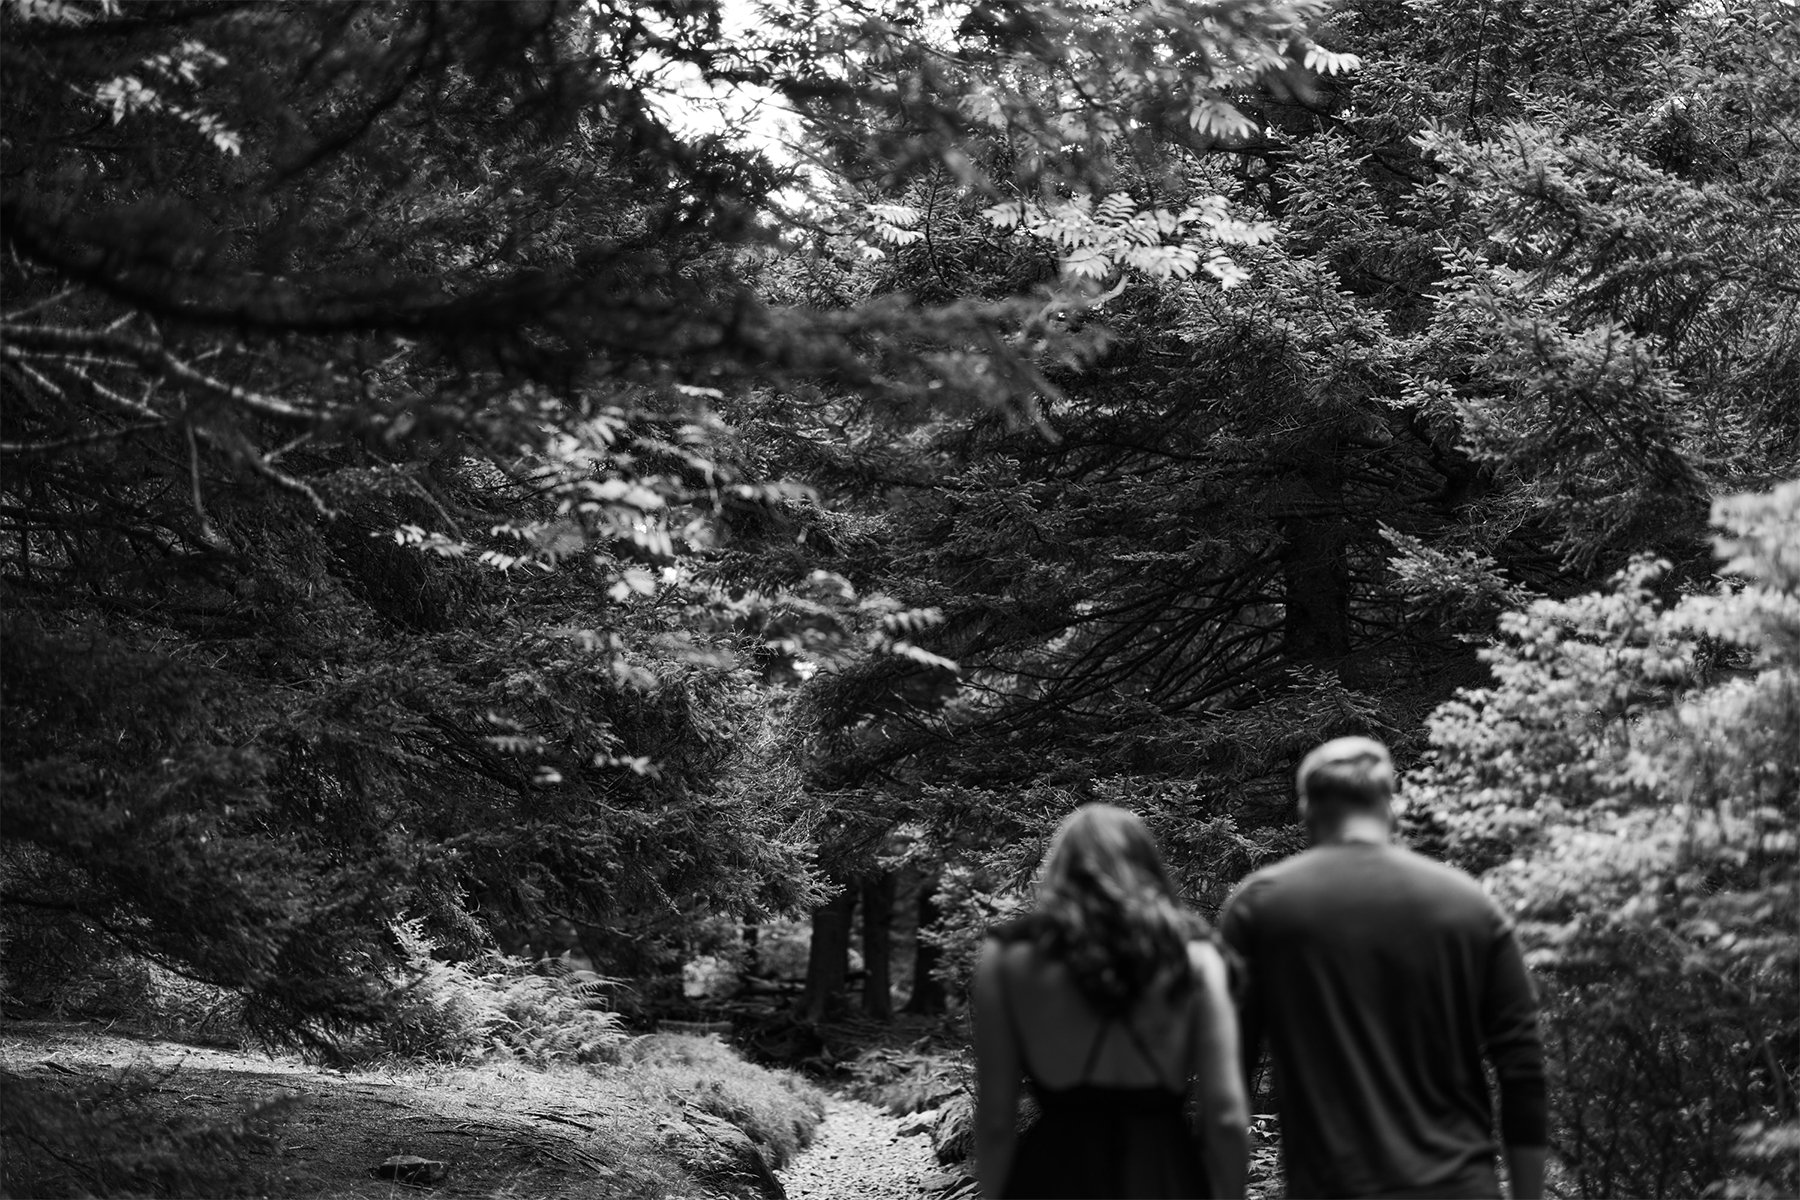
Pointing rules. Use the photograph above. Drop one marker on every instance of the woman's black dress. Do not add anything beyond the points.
(1096, 1141)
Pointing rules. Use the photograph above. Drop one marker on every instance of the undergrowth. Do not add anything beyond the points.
(542, 1013)
(154, 1000)
(778, 1109)
(909, 1081)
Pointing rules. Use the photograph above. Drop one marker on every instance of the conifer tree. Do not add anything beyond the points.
(370, 547)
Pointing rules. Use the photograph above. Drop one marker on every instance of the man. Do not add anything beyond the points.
(1381, 980)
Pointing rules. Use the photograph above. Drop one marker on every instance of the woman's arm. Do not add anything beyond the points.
(997, 1073)
(1221, 1113)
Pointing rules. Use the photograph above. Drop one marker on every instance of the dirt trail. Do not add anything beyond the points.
(859, 1153)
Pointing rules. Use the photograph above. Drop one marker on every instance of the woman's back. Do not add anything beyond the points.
(1105, 1002)
(1064, 1041)
(1111, 1088)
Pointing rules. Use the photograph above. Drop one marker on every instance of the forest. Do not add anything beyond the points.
(670, 484)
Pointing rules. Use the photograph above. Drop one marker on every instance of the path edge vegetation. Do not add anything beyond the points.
(93, 1109)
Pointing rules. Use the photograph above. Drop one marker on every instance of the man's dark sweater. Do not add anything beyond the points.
(1380, 979)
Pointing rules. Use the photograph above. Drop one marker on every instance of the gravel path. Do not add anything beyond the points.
(860, 1154)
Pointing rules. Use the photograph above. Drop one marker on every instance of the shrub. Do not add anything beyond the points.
(1632, 783)
(541, 1012)
(905, 1081)
(777, 1109)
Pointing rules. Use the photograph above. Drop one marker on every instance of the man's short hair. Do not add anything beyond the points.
(1355, 771)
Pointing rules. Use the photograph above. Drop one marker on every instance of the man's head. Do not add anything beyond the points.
(1346, 780)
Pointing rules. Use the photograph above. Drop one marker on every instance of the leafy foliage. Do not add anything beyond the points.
(1632, 776)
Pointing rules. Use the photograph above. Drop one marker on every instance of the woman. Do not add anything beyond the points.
(1111, 1000)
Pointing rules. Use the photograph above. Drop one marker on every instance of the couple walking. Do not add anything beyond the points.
(1379, 979)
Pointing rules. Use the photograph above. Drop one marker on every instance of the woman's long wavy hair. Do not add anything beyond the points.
(1109, 911)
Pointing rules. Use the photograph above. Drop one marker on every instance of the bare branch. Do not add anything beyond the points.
(208, 534)
(155, 358)
(57, 445)
(40, 305)
(262, 466)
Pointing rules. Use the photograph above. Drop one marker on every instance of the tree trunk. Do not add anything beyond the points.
(927, 992)
(1316, 621)
(752, 949)
(828, 961)
(877, 929)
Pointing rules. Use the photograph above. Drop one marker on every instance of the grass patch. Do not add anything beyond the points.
(778, 1109)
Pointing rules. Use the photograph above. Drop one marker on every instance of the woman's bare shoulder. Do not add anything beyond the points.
(1207, 962)
(1001, 953)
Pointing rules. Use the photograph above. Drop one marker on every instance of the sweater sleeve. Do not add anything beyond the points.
(1514, 1047)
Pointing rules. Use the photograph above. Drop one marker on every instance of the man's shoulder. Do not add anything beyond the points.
(1414, 861)
(1262, 878)
(1440, 875)
(1452, 896)
(1319, 865)
(1275, 879)
(1293, 864)
(1313, 861)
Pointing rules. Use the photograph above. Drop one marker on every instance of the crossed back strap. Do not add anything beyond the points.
(1093, 1054)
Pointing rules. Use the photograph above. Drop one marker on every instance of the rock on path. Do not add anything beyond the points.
(859, 1154)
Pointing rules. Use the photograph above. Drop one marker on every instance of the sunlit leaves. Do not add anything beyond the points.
(895, 224)
(127, 95)
(633, 581)
(1221, 119)
(1056, 79)
(1330, 62)
(1097, 240)
(429, 540)
(60, 12)
(825, 624)
(896, 628)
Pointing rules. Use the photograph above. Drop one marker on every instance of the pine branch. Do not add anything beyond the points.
(158, 360)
